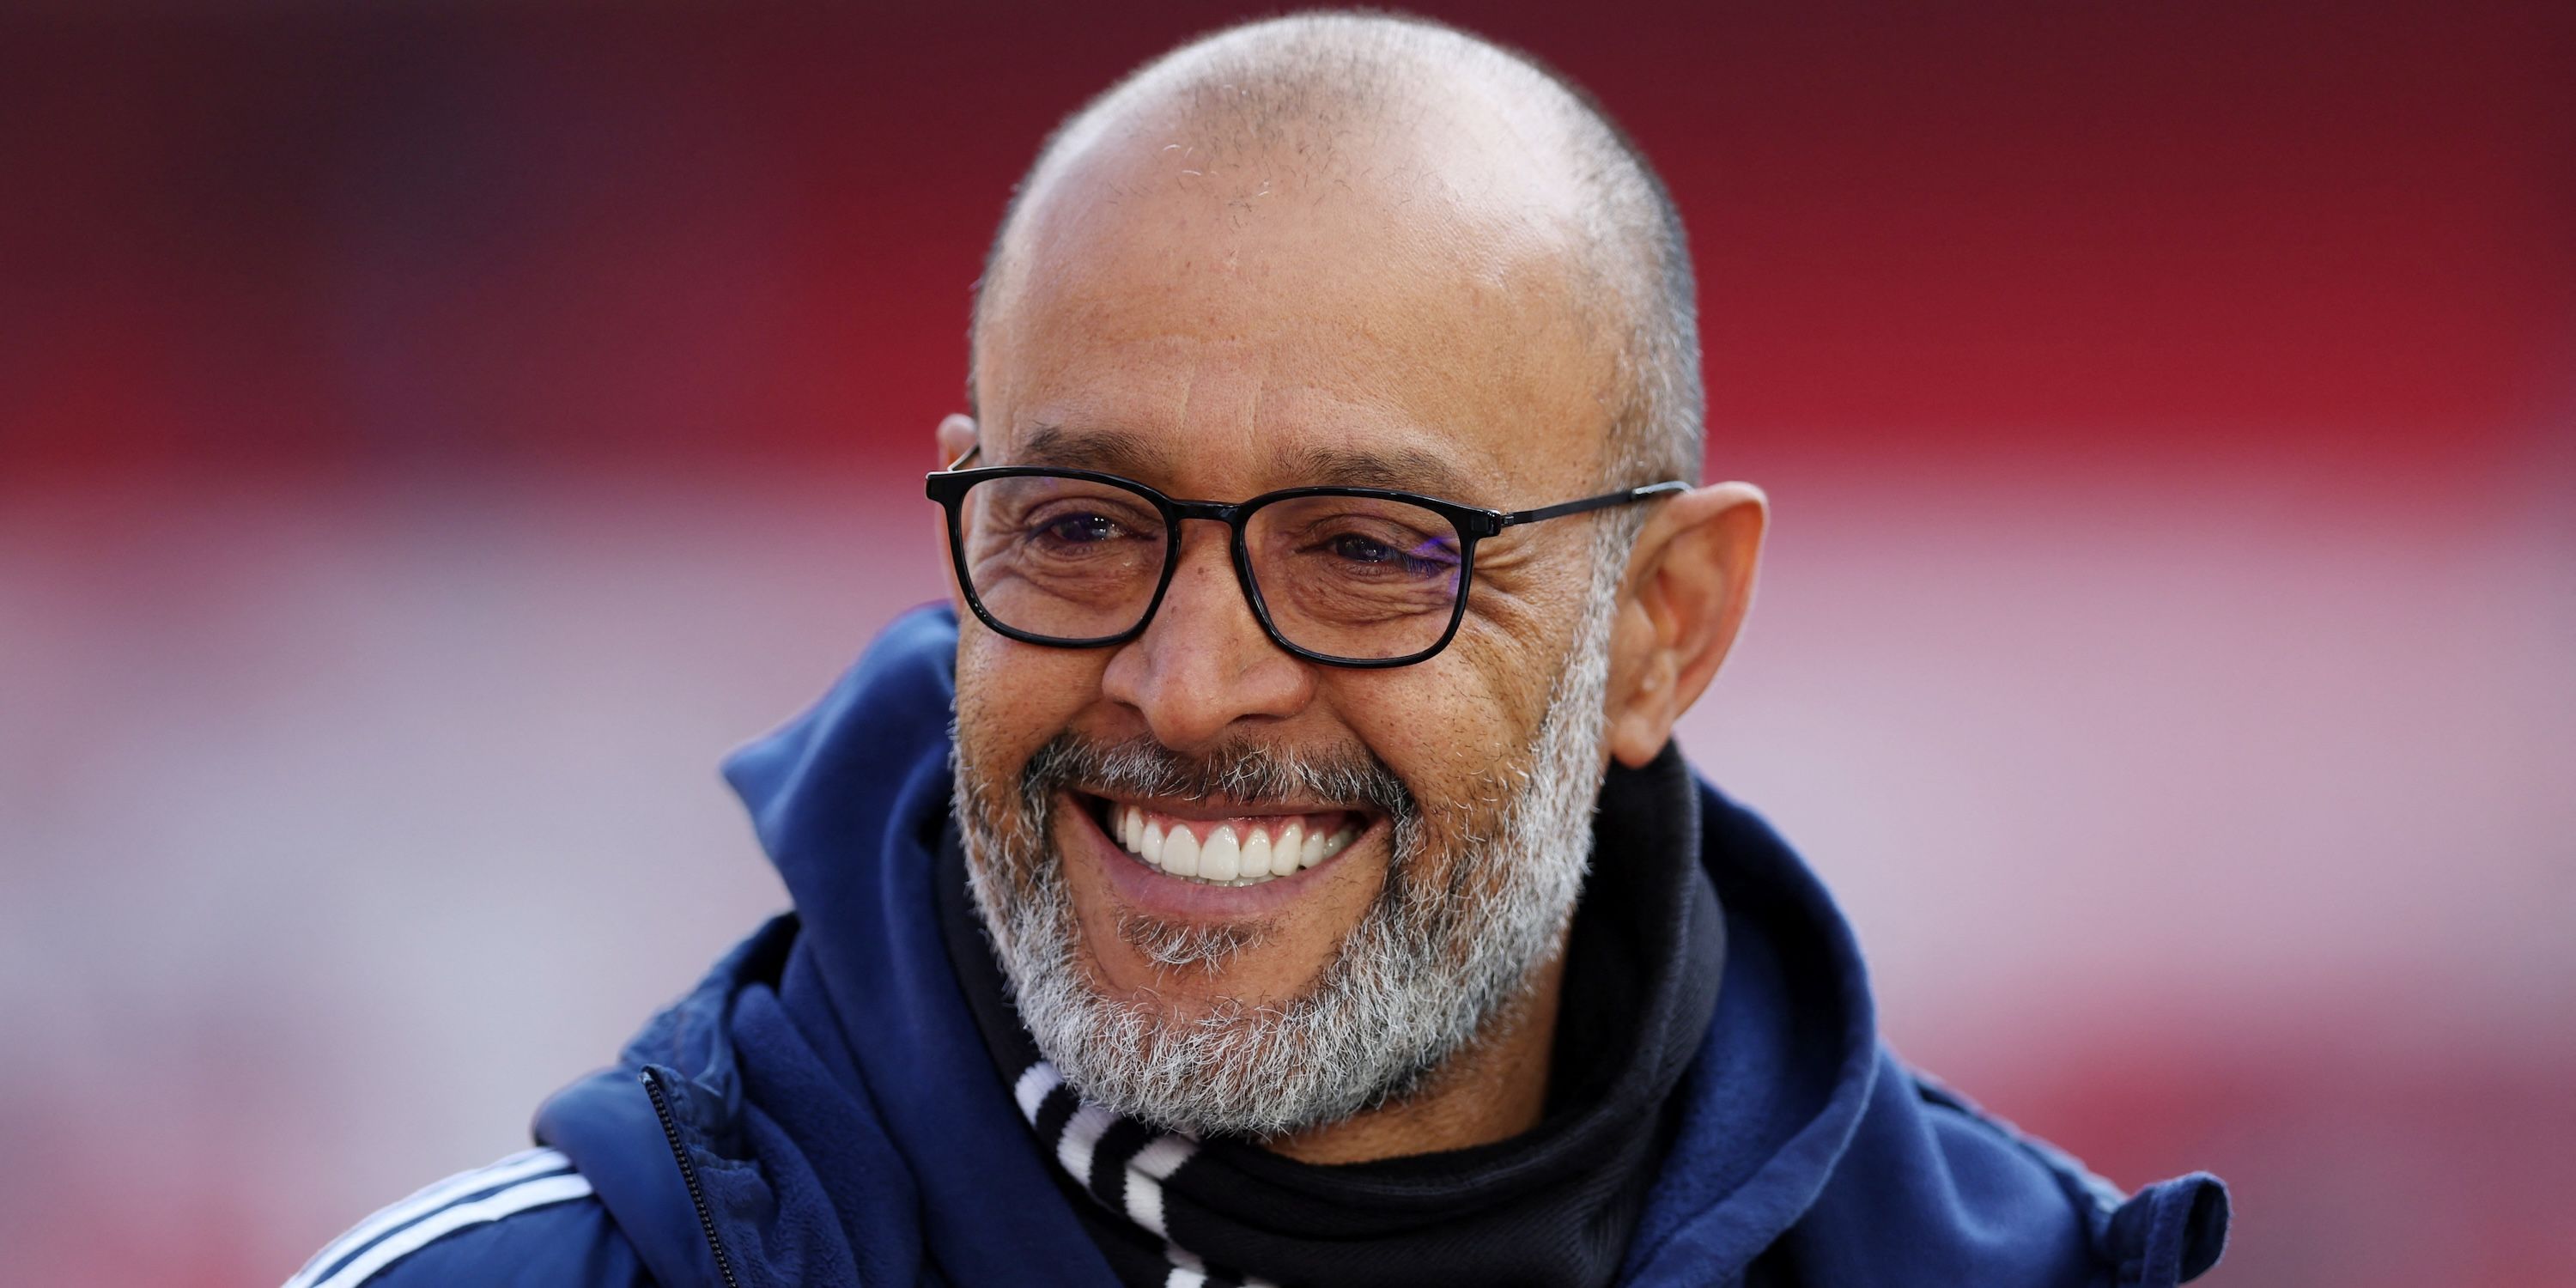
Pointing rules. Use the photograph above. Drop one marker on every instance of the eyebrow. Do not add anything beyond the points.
(1401, 469)
(1109, 451)
(1132, 455)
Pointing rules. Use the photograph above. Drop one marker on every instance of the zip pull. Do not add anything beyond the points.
(652, 1078)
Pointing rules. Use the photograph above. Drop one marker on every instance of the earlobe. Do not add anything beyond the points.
(1639, 729)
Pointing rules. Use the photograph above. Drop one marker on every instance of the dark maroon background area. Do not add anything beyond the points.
(354, 234)
(430, 432)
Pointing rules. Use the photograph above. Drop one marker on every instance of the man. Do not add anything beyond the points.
(1299, 886)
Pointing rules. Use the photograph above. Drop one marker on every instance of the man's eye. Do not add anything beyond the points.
(1359, 549)
(1359, 554)
(1079, 529)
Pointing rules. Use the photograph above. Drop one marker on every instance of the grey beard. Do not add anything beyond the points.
(1180, 945)
(1475, 902)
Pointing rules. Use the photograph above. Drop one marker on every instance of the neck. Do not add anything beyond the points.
(1493, 1089)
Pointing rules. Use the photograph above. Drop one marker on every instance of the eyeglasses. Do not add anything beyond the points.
(1346, 576)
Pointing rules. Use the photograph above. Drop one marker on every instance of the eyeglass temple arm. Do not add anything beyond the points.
(960, 462)
(1668, 487)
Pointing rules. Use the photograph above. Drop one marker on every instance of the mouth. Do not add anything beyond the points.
(1195, 842)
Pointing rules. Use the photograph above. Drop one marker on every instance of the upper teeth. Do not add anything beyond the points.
(1233, 854)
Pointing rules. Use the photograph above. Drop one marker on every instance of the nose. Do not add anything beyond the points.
(1204, 666)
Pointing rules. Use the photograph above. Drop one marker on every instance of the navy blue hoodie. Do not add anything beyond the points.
(822, 1110)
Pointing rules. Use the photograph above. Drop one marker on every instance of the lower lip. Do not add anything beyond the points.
(1151, 890)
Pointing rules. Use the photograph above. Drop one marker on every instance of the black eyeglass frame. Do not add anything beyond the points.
(948, 487)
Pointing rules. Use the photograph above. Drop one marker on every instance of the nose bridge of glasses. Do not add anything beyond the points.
(1221, 572)
(1229, 513)
(1228, 546)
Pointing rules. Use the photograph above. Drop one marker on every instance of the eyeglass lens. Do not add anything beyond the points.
(1352, 577)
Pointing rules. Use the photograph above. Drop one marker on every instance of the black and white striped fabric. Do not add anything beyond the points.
(1120, 1164)
(522, 1182)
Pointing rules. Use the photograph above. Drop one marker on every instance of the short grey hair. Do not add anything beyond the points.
(1346, 64)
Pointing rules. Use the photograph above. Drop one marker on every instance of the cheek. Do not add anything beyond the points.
(1458, 728)
(1013, 697)
(1451, 728)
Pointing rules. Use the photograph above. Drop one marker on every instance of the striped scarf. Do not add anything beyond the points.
(1120, 1164)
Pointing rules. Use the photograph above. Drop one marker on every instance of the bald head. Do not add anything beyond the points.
(1288, 269)
(1427, 141)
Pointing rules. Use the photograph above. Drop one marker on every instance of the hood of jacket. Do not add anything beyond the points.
(821, 1109)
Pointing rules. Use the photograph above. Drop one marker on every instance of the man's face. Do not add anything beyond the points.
(1403, 318)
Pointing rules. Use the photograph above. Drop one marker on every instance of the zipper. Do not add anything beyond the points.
(688, 1173)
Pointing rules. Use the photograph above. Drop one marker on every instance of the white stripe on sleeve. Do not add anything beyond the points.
(508, 1171)
(493, 1207)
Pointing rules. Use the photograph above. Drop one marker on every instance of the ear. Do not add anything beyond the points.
(956, 435)
(1689, 584)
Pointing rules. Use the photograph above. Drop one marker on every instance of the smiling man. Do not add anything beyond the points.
(1275, 867)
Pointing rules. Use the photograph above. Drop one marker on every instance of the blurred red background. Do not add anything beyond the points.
(431, 434)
